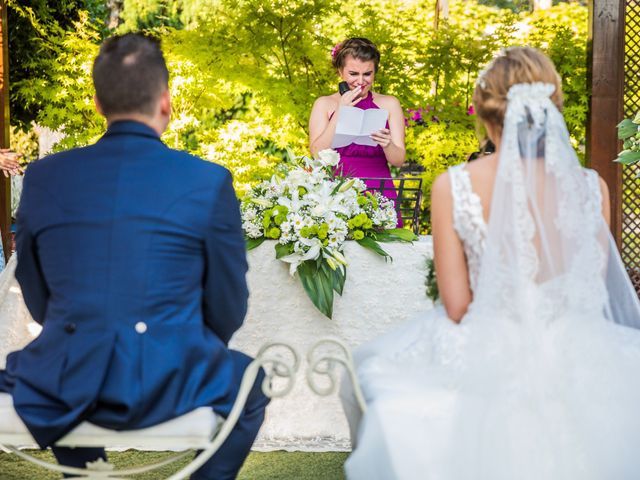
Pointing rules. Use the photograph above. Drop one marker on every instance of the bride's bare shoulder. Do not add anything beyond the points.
(441, 188)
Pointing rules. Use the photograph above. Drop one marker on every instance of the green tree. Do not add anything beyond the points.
(244, 74)
(37, 34)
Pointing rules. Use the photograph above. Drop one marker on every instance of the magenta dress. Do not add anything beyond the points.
(364, 161)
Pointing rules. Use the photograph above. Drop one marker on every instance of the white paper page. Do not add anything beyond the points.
(350, 120)
(374, 119)
(355, 125)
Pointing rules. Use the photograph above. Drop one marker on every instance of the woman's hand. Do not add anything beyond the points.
(382, 137)
(9, 162)
(350, 98)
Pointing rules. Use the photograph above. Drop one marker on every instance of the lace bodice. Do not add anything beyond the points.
(468, 221)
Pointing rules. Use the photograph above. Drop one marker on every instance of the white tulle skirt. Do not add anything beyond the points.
(17, 328)
(482, 400)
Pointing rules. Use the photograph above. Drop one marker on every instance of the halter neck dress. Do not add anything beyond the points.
(364, 161)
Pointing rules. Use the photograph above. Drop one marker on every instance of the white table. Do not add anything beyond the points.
(377, 295)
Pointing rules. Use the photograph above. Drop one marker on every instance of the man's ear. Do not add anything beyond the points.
(165, 103)
(98, 106)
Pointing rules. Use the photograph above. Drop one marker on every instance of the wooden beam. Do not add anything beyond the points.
(5, 183)
(606, 82)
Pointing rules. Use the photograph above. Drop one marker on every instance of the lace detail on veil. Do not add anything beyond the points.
(591, 292)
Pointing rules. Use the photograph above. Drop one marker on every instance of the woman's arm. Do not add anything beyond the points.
(392, 139)
(321, 127)
(451, 266)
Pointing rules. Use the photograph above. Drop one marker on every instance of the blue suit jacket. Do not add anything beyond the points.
(131, 256)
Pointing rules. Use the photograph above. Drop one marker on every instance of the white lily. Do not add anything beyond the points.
(294, 204)
(326, 201)
(296, 259)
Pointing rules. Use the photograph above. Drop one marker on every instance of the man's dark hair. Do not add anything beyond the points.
(129, 74)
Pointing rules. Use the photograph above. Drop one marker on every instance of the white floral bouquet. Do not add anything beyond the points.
(629, 133)
(311, 213)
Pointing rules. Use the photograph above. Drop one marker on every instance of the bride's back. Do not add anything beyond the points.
(543, 203)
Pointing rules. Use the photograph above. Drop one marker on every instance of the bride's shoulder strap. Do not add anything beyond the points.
(459, 180)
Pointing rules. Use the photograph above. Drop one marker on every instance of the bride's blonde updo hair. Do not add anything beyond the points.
(513, 65)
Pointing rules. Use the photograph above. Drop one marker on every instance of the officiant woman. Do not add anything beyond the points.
(356, 60)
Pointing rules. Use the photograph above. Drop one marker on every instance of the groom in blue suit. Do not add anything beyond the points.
(131, 256)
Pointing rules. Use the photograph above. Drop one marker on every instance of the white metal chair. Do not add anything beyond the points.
(200, 429)
(323, 358)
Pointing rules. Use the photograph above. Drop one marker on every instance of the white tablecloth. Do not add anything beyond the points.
(377, 295)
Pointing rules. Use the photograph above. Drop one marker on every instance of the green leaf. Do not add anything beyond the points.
(628, 158)
(283, 250)
(396, 235)
(626, 128)
(338, 276)
(371, 244)
(252, 243)
(431, 282)
(318, 285)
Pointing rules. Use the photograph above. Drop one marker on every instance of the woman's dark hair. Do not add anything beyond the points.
(359, 48)
(129, 74)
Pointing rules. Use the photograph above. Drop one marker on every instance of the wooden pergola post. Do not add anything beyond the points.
(606, 82)
(5, 183)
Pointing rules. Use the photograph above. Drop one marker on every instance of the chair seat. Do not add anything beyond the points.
(191, 430)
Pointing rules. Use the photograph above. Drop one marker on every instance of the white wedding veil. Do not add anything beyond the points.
(549, 254)
(541, 351)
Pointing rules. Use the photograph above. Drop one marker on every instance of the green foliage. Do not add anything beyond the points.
(63, 98)
(561, 32)
(25, 142)
(439, 144)
(244, 74)
(629, 133)
(146, 14)
(430, 281)
(37, 33)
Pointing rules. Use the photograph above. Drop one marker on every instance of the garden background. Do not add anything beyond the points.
(244, 74)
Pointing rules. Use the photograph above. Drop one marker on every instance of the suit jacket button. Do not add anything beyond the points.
(141, 327)
(70, 327)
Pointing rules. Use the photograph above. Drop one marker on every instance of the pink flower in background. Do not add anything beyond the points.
(335, 49)
(417, 116)
(471, 110)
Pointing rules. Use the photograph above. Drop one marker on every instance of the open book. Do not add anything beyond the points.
(355, 125)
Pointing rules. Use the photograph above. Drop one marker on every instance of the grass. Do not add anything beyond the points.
(259, 465)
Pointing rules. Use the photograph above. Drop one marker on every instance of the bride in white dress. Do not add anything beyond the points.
(530, 370)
